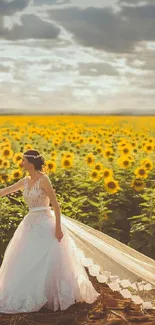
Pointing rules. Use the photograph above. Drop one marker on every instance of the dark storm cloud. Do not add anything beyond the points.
(139, 13)
(33, 27)
(142, 19)
(7, 9)
(104, 29)
(96, 27)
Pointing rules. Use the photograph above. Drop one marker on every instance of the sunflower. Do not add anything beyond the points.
(99, 149)
(108, 152)
(17, 157)
(90, 140)
(74, 137)
(66, 162)
(98, 142)
(147, 163)
(4, 178)
(5, 139)
(16, 174)
(89, 159)
(133, 143)
(110, 159)
(53, 154)
(27, 146)
(124, 162)
(125, 150)
(51, 166)
(138, 184)
(148, 147)
(95, 175)
(6, 164)
(98, 166)
(151, 140)
(111, 186)
(82, 140)
(139, 147)
(141, 172)
(107, 173)
(7, 153)
(68, 155)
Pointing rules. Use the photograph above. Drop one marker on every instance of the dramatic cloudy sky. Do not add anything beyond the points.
(77, 55)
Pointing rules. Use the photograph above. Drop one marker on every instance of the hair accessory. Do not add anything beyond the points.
(32, 156)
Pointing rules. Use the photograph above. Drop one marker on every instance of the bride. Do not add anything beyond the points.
(41, 266)
(44, 262)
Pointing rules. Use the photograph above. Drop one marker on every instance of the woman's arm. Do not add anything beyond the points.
(48, 188)
(12, 188)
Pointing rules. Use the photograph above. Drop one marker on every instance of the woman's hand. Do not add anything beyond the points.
(58, 234)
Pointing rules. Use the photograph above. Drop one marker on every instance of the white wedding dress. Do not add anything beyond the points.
(38, 270)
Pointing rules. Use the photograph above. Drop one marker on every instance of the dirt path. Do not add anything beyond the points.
(110, 309)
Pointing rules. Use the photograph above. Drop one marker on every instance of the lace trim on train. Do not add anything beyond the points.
(140, 292)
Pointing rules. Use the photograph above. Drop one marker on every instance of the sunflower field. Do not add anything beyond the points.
(101, 167)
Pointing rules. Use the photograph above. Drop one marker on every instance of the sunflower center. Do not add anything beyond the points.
(89, 160)
(98, 167)
(67, 162)
(141, 171)
(16, 174)
(98, 150)
(126, 162)
(106, 173)
(111, 185)
(6, 152)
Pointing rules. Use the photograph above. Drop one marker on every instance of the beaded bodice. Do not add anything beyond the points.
(35, 196)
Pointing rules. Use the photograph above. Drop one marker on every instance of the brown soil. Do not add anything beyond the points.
(110, 309)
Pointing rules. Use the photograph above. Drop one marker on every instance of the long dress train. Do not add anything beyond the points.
(38, 270)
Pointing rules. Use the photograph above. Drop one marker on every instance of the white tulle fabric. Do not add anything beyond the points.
(38, 270)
